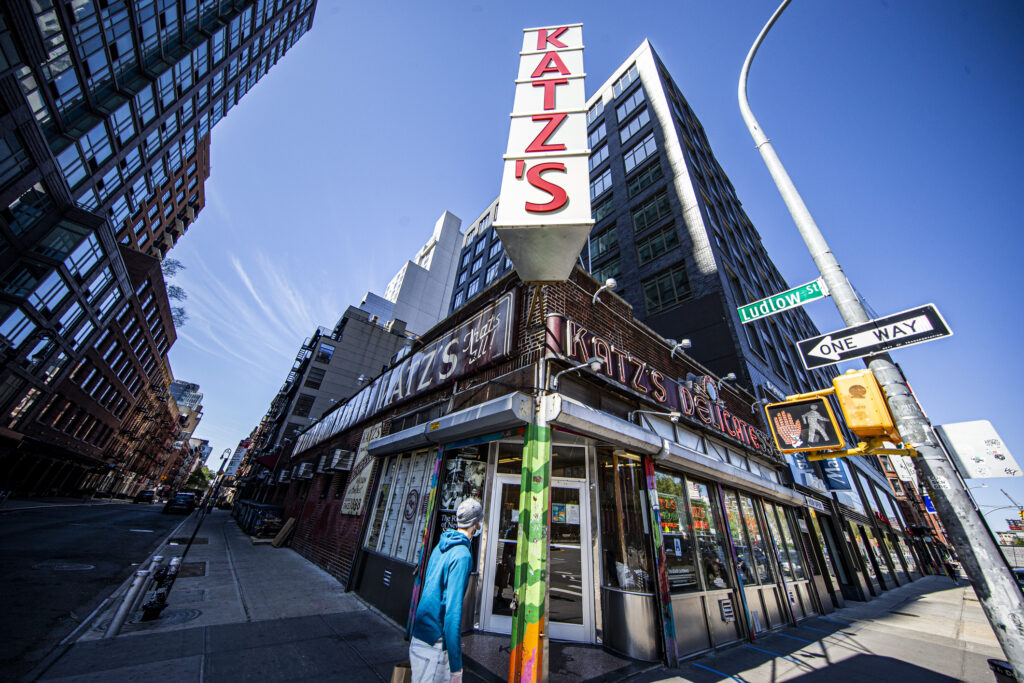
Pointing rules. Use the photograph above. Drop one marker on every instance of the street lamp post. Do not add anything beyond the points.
(995, 587)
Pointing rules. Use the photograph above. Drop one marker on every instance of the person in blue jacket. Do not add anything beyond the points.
(435, 648)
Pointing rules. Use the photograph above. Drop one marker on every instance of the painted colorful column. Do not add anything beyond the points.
(424, 554)
(527, 661)
(668, 623)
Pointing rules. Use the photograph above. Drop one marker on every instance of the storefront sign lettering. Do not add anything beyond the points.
(362, 473)
(479, 341)
(572, 340)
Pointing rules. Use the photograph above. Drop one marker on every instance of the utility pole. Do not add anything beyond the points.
(995, 587)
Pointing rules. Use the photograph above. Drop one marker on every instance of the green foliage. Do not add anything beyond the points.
(200, 479)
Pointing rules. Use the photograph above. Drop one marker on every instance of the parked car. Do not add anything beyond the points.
(147, 496)
(1019, 575)
(183, 503)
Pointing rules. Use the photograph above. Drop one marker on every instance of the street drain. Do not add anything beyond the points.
(190, 569)
(201, 540)
(58, 566)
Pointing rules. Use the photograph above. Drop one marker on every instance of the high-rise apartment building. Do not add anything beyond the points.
(105, 112)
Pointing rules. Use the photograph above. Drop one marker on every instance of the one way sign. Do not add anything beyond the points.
(917, 325)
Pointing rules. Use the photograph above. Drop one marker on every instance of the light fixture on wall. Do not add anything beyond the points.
(731, 377)
(681, 345)
(672, 416)
(609, 284)
(595, 364)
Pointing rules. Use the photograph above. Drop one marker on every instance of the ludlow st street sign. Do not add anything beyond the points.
(910, 327)
(777, 303)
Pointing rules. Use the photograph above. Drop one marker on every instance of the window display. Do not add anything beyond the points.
(744, 555)
(710, 544)
(676, 533)
(625, 531)
(397, 523)
(462, 476)
(757, 545)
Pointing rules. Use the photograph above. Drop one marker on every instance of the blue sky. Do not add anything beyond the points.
(898, 121)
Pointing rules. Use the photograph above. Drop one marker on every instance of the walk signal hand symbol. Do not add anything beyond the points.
(787, 428)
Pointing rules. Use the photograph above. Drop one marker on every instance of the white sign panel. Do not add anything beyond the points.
(544, 210)
(362, 471)
(978, 451)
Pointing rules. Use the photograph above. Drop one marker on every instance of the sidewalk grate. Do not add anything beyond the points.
(201, 540)
(191, 569)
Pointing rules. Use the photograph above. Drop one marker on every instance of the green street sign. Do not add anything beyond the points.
(777, 303)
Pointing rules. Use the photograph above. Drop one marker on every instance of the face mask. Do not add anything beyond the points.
(478, 530)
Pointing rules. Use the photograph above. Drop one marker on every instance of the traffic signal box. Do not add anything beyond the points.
(864, 407)
(805, 422)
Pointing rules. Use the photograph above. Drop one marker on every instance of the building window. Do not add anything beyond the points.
(601, 244)
(303, 404)
(462, 277)
(324, 353)
(16, 328)
(598, 156)
(597, 135)
(601, 184)
(82, 259)
(620, 85)
(495, 249)
(478, 264)
(604, 209)
(595, 111)
(466, 256)
(639, 153)
(624, 522)
(666, 289)
(650, 212)
(460, 297)
(661, 242)
(394, 530)
(315, 377)
(630, 104)
(612, 268)
(492, 272)
(474, 287)
(644, 179)
(480, 245)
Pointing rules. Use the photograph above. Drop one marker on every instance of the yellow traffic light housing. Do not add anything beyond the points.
(863, 405)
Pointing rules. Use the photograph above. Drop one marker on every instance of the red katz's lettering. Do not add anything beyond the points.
(549, 85)
(659, 394)
(544, 38)
(559, 198)
(540, 143)
(550, 63)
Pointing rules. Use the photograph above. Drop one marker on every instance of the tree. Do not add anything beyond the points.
(171, 267)
(199, 479)
(176, 293)
(179, 315)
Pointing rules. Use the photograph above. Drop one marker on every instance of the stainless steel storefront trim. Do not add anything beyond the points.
(580, 418)
(504, 412)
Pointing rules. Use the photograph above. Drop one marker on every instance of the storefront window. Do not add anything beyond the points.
(878, 549)
(782, 534)
(462, 477)
(862, 549)
(676, 533)
(625, 532)
(823, 544)
(757, 545)
(744, 554)
(383, 492)
(710, 543)
(396, 529)
(510, 458)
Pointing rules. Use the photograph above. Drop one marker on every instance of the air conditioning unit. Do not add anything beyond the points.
(304, 471)
(340, 460)
(284, 477)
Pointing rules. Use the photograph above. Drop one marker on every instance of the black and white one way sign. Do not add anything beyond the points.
(917, 325)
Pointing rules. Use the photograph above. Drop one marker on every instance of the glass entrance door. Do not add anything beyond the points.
(570, 581)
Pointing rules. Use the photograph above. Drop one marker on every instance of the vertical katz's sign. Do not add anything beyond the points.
(544, 211)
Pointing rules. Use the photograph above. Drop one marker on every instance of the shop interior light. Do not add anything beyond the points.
(609, 284)
(595, 364)
(678, 346)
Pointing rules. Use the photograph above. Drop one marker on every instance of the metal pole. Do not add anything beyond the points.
(141, 595)
(995, 587)
(129, 598)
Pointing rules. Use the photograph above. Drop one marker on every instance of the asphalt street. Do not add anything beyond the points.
(57, 564)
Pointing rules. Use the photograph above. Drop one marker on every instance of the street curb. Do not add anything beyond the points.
(70, 639)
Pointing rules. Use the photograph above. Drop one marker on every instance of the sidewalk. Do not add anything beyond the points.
(241, 612)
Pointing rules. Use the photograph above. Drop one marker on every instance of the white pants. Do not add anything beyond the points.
(429, 662)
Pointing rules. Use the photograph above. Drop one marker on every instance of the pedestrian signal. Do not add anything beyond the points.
(863, 405)
(804, 425)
